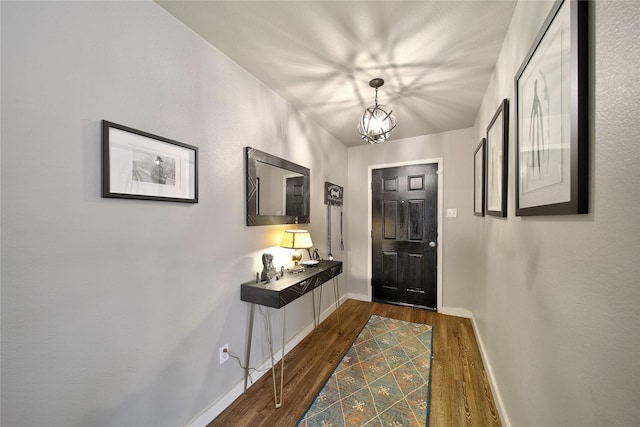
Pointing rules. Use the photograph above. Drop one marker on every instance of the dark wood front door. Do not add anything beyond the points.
(405, 235)
(295, 196)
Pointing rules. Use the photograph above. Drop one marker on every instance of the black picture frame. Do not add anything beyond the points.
(551, 95)
(497, 155)
(140, 165)
(479, 183)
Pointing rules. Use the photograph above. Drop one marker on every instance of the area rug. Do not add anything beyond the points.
(383, 380)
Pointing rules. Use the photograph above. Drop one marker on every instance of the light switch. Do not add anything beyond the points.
(452, 212)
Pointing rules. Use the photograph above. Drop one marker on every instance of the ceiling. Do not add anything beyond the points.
(436, 57)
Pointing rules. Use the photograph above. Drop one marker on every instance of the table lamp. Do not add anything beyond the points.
(296, 239)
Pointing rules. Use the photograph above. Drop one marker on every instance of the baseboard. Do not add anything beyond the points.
(209, 414)
(455, 311)
(359, 297)
(497, 397)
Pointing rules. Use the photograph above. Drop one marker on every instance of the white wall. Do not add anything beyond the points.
(556, 298)
(458, 193)
(113, 310)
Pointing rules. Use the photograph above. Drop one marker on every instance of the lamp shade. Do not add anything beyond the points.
(296, 239)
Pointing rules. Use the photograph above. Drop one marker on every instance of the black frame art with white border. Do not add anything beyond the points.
(479, 185)
(140, 165)
(551, 89)
(497, 154)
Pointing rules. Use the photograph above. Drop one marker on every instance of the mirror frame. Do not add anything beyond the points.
(252, 156)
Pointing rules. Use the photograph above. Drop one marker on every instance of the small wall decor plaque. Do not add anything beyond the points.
(333, 194)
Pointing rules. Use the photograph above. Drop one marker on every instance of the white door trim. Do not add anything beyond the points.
(440, 175)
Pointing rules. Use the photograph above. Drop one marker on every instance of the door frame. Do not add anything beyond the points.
(439, 162)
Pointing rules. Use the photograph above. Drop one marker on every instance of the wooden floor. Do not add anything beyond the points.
(460, 392)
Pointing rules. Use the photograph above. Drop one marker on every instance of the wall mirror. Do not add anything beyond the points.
(277, 190)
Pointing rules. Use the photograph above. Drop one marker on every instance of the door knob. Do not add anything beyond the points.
(432, 244)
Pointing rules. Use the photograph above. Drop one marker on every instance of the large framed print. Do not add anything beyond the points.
(551, 89)
(479, 165)
(497, 161)
(139, 165)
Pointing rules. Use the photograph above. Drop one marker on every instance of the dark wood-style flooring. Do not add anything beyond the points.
(460, 392)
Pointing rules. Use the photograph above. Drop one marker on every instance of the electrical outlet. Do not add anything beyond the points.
(224, 353)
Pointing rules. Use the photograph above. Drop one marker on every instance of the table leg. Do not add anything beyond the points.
(336, 294)
(319, 306)
(313, 302)
(278, 402)
(248, 355)
(316, 317)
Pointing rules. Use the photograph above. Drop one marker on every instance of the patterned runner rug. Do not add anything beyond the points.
(383, 380)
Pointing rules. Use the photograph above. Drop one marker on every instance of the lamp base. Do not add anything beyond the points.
(297, 268)
(296, 257)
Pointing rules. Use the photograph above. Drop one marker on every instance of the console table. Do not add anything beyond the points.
(277, 294)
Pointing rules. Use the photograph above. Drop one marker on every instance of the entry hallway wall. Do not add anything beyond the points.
(556, 298)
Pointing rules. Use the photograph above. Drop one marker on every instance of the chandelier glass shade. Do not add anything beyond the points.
(377, 122)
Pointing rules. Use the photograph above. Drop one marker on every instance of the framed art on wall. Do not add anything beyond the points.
(551, 116)
(479, 164)
(139, 165)
(497, 162)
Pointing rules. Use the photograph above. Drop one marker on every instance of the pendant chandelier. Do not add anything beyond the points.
(376, 123)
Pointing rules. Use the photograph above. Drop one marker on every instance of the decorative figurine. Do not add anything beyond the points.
(269, 271)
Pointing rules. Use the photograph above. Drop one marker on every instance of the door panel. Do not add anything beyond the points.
(390, 216)
(390, 269)
(415, 272)
(416, 219)
(404, 219)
